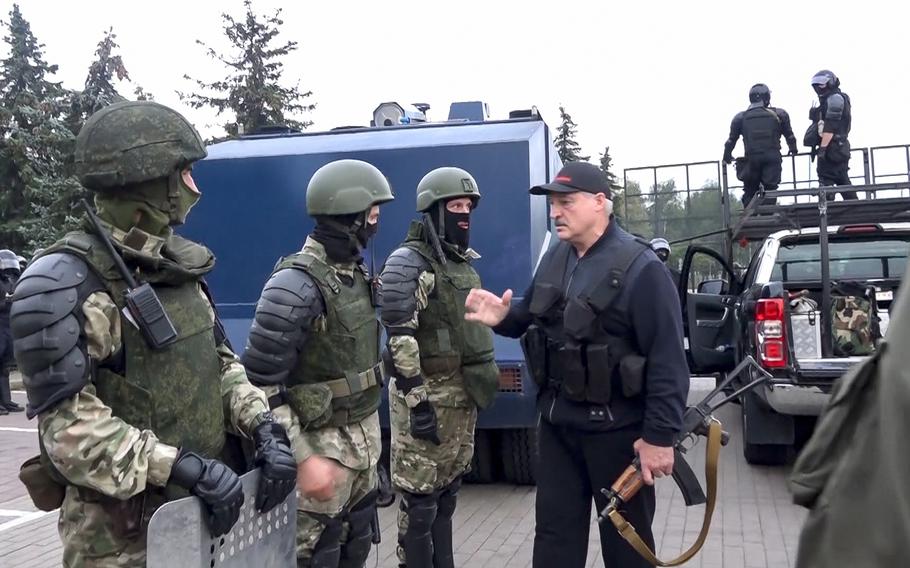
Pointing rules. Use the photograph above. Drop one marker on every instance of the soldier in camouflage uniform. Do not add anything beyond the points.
(314, 349)
(126, 424)
(443, 366)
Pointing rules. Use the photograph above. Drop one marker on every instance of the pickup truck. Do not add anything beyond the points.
(755, 312)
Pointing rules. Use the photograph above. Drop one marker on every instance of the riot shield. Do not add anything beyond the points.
(179, 536)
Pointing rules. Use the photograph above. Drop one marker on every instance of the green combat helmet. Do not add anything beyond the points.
(135, 141)
(445, 183)
(343, 187)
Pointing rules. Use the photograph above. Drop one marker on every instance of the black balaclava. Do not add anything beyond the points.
(344, 236)
(447, 227)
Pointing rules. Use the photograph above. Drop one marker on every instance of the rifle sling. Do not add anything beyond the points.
(631, 536)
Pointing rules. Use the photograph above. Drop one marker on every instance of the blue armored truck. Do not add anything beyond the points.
(253, 213)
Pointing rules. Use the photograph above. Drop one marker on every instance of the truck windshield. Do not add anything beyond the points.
(854, 259)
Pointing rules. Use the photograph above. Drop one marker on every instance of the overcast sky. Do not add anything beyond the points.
(657, 81)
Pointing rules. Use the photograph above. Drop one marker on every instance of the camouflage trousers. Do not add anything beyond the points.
(419, 466)
(422, 467)
(92, 538)
(354, 487)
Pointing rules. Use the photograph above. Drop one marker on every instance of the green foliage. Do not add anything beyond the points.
(568, 148)
(252, 90)
(35, 144)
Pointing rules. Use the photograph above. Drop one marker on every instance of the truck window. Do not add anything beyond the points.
(855, 259)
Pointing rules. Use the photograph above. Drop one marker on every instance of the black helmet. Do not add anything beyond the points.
(825, 81)
(760, 93)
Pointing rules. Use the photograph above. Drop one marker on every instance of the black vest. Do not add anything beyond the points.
(578, 344)
(761, 131)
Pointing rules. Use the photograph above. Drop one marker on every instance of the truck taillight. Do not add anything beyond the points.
(770, 335)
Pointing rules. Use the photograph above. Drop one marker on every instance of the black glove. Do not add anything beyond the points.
(276, 462)
(793, 151)
(728, 158)
(213, 482)
(423, 423)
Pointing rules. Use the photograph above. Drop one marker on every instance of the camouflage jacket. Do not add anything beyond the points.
(93, 448)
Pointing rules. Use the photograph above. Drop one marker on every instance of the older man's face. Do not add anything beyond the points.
(576, 214)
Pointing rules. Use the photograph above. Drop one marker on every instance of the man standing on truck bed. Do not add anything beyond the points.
(603, 339)
(761, 127)
(314, 348)
(444, 366)
(830, 127)
(125, 361)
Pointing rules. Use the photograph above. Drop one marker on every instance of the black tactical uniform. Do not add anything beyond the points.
(611, 369)
(9, 274)
(761, 127)
(833, 115)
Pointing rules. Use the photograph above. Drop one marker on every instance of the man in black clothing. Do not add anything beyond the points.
(831, 122)
(601, 329)
(761, 127)
(661, 248)
(9, 274)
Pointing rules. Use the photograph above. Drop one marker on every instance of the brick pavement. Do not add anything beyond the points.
(755, 524)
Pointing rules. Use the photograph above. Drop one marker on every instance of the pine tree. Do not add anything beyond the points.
(568, 148)
(252, 90)
(606, 166)
(99, 90)
(35, 144)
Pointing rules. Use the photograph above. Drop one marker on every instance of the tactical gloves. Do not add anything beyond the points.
(276, 462)
(793, 151)
(728, 158)
(423, 423)
(213, 482)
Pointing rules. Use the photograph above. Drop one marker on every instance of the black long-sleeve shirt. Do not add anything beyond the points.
(652, 321)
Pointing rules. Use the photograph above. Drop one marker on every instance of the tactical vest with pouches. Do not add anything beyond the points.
(337, 379)
(176, 391)
(449, 345)
(567, 346)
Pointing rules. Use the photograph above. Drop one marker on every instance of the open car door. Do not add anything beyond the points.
(709, 312)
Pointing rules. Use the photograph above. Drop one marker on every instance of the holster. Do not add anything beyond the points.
(534, 347)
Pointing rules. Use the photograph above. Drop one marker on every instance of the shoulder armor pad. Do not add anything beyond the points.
(400, 278)
(836, 106)
(46, 324)
(55, 271)
(289, 303)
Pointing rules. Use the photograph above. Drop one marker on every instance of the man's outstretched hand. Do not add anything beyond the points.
(486, 307)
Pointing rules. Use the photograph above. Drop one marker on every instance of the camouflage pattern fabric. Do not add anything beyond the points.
(420, 466)
(108, 460)
(852, 323)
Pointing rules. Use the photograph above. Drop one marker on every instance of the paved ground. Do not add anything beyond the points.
(755, 524)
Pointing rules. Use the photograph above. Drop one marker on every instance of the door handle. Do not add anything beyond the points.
(714, 323)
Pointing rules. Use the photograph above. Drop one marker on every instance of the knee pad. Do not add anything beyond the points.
(327, 552)
(355, 551)
(421, 511)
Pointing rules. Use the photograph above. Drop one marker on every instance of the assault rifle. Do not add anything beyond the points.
(698, 421)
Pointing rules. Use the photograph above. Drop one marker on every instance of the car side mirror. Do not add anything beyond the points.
(713, 287)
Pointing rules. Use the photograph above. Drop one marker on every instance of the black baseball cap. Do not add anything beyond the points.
(576, 176)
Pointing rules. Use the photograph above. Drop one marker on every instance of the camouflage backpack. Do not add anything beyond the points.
(854, 319)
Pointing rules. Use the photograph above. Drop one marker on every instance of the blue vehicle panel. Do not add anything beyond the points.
(253, 213)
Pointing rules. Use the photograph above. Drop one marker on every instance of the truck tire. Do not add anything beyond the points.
(482, 470)
(760, 453)
(519, 455)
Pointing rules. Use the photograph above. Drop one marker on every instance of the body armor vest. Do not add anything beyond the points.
(449, 345)
(341, 360)
(761, 131)
(568, 346)
(174, 391)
